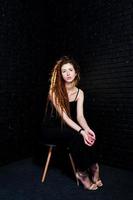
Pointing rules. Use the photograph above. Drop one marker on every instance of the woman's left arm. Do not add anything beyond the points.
(80, 114)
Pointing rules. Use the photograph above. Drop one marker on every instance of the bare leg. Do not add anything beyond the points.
(95, 175)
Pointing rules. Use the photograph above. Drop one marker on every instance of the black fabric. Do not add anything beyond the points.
(56, 133)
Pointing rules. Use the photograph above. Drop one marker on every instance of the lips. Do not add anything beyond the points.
(68, 78)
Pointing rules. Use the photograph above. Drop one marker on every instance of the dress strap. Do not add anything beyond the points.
(76, 95)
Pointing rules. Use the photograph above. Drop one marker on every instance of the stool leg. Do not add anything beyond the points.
(47, 164)
(73, 166)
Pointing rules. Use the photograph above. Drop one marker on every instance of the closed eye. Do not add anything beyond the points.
(71, 69)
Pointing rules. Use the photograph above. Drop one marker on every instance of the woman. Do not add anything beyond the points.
(66, 122)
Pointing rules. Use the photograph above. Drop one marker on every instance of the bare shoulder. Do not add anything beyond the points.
(81, 91)
(81, 94)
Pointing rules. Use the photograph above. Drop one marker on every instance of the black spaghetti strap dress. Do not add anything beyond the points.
(56, 133)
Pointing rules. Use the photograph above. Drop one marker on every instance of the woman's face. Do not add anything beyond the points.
(68, 72)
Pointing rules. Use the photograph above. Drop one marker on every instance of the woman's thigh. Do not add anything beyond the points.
(57, 135)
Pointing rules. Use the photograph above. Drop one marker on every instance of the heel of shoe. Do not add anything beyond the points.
(77, 177)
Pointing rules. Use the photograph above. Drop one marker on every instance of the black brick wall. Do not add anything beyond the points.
(108, 79)
(16, 79)
(98, 34)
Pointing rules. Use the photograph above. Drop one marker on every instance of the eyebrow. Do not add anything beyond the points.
(68, 68)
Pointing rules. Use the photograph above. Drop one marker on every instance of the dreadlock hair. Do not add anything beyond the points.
(57, 84)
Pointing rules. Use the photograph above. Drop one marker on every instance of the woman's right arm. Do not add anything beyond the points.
(64, 115)
(70, 122)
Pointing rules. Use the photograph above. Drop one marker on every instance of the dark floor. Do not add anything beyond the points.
(21, 181)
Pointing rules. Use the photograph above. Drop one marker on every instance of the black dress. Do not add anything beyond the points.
(53, 131)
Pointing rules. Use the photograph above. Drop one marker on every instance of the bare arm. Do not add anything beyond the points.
(88, 140)
(80, 114)
(64, 115)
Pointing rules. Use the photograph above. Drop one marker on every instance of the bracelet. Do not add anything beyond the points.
(80, 130)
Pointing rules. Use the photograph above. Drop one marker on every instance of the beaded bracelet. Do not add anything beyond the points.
(80, 130)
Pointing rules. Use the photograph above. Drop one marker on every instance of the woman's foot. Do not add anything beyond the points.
(95, 175)
(83, 177)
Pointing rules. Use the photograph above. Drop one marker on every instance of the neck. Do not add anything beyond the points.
(69, 86)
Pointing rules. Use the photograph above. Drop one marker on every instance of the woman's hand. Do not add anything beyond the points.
(91, 132)
(88, 136)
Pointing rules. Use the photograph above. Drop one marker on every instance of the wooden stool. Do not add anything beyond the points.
(50, 148)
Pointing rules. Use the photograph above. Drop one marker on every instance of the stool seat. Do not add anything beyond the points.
(50, 148)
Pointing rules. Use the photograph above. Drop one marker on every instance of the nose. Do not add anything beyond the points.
(68, 73)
